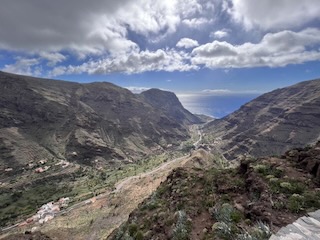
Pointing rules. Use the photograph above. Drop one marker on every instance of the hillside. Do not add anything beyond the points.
(168, 103)
(42, 118)
(247, 202)
(270, 124)
(61, 138)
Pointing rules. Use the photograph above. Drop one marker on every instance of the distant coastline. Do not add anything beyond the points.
(215, 106)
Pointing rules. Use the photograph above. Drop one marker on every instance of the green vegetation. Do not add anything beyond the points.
(83, 183)
(182, 228)
(268, 171)
(260, 231)
(187, 147)
(227, 217)
(227, 203)
(288, 186)
(24, 202)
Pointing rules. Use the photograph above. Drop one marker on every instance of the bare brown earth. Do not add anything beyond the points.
(106, 212)
(99, 219)
(229, 203)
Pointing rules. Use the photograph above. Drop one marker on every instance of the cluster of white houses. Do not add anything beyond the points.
(47, 211)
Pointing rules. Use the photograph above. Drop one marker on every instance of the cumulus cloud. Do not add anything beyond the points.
(187, 43)
(196, 22)
(58, 25)
(160, 60)
(85, 27)
(24, 66)
(52, 58)
(271, 15)
(220, 33)
(115, 35)
(274, 50)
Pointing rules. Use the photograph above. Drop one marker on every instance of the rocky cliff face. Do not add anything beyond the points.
(44, 119)
(272, 123)
(168, 103)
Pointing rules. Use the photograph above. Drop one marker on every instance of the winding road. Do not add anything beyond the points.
(129, 192)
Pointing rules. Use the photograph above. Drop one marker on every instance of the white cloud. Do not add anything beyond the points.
(136, 62)
(215, 49)
(274, 50)
(88, 28)
(187, 43)
(271, 15)
(24, 66)
(78, 26)
(220, 34)
(196, 22)
(52, 58)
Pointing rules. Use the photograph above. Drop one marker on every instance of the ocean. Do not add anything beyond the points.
(215, 106)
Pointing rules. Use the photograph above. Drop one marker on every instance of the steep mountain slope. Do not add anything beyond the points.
(247, 202)
(44, 119)
(168, 103)
(64, 139)
(270, 124)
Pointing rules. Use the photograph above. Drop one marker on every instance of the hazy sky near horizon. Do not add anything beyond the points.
(212, 47)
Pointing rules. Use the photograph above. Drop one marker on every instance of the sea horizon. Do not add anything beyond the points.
(216, 106)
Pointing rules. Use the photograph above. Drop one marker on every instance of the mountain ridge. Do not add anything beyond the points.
(61, 116)
(270, 124)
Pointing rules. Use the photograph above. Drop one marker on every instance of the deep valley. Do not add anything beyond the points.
(105, 163)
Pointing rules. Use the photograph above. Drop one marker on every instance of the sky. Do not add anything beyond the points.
(191, 47)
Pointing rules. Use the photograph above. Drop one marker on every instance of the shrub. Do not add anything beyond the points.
(227, 217)
(181, 230)
(295, 203)
(266, 170)
(223, 213)
(138, 236)
(222, 229)
(312, 200)
(260, 231)
(132, 229)
(286, 185)
(289, 187)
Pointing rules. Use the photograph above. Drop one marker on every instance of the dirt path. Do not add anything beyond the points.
(162, 167)
(96, 218)
(200, 138)
(107, 212)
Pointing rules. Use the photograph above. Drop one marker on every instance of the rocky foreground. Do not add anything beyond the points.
(252, 200)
